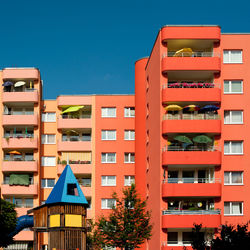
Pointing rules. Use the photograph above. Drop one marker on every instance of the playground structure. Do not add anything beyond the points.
(63, 216)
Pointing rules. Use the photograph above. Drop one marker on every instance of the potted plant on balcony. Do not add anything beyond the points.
(64, 162)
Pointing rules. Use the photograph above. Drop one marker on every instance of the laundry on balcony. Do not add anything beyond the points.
(19, 179)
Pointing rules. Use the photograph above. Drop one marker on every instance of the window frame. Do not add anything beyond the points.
(130, 109)
(230, 87)
(46, 139)
(105, 131)
(105, 109)
(229, 56)
(230, 208)
(230, 178)
(43, 161)
(129, 156)
(106, 203)
(129, 131)
(230, 147)
(106, 157)
(46, 181)
(45, 116)
(230, 117)
(130, 178)
(105, 181)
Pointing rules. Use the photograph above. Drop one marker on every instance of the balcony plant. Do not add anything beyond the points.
(64, 162)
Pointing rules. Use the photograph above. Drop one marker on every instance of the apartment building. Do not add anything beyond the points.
(93, 133)
(192, 148)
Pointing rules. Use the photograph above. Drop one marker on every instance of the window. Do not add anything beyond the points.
(48, 117)
(109, 135)
(233, 117)
(186, 237)
(129, 135)
(108, 203)
(233, 147)
(233, 87)
(172, 238)
(129, 112)
(129, 180)
(48, 183)
(129, 157)
(232, 56)
(233, 208)
(108, 157)
(72, 189)
(108, 112)
(109, 248)
(108, 180)
(233, 178)
(48, 161)
(48, 139)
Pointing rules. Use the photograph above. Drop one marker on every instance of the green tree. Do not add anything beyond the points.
(8, 222)
(128, 225)
(229, 237)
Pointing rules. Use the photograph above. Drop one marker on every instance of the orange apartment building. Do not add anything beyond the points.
(191, 146)
(192, 123)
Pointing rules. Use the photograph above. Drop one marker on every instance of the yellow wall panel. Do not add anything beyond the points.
(73, 220)
(55, 220)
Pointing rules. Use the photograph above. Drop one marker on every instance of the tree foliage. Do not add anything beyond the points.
(8, 222)
(128, 224)
(229, 237)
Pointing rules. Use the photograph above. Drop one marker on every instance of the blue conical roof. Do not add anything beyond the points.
(67, 189)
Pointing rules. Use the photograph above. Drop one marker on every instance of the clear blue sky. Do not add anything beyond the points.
(89, 47)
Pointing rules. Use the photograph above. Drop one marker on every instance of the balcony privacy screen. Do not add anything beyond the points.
(19, 179)
(76, 156)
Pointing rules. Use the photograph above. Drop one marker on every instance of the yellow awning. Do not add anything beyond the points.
(72, 109)
(184, 52)
(173, 108)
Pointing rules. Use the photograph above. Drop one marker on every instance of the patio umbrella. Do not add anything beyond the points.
(202, 139)
(210, 108)
(191, 108)
(8, 83)
(14, 152)
(72, 109)
(173, 107)
(184, 52)
(72, 132)
(183, 138)
(19, 84)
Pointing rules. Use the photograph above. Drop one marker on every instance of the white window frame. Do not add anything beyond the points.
(106, 179)
(130, 179)
(129, 133)
(45, 117)
(106, 158)
(230, 117)
(229, 56)
(104, 112)
(45, 161)
(106, 203)
(230, 208)
(105, 133)
(230, 87)
(230, 148)
(129, 109)
(129, 157)
(45, 139)
(46, 181)
(230, 179)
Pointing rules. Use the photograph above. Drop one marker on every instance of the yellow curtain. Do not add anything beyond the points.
(76, 156)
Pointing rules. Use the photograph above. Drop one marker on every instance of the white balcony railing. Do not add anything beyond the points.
(190, 212)
(191, 148)
(192, 180)
(191, 54)
(191, 117)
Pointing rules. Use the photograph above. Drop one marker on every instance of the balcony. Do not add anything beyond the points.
(74, 100)
(86, 191)
(19, 166)
(26, 96)
(175, 155)
(19, 190)
(199, 92)
(22, 119)
(68, 122)
(186, 218)
(81, 168)
(201, 33)
(74, 146)
(20, 143)
(21, 73)
(191, 123)
(197, 61)
(164, 246)
(195, 187)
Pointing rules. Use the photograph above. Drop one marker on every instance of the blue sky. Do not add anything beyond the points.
(89, 47)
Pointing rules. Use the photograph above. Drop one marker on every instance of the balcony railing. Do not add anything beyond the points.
(19, 113)
(192, 212)
(191, 85)
(191, 117)
(19, 90)
(190, 148)
(70, 116)
(192, 180)
(191, 54)
(19, 136)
